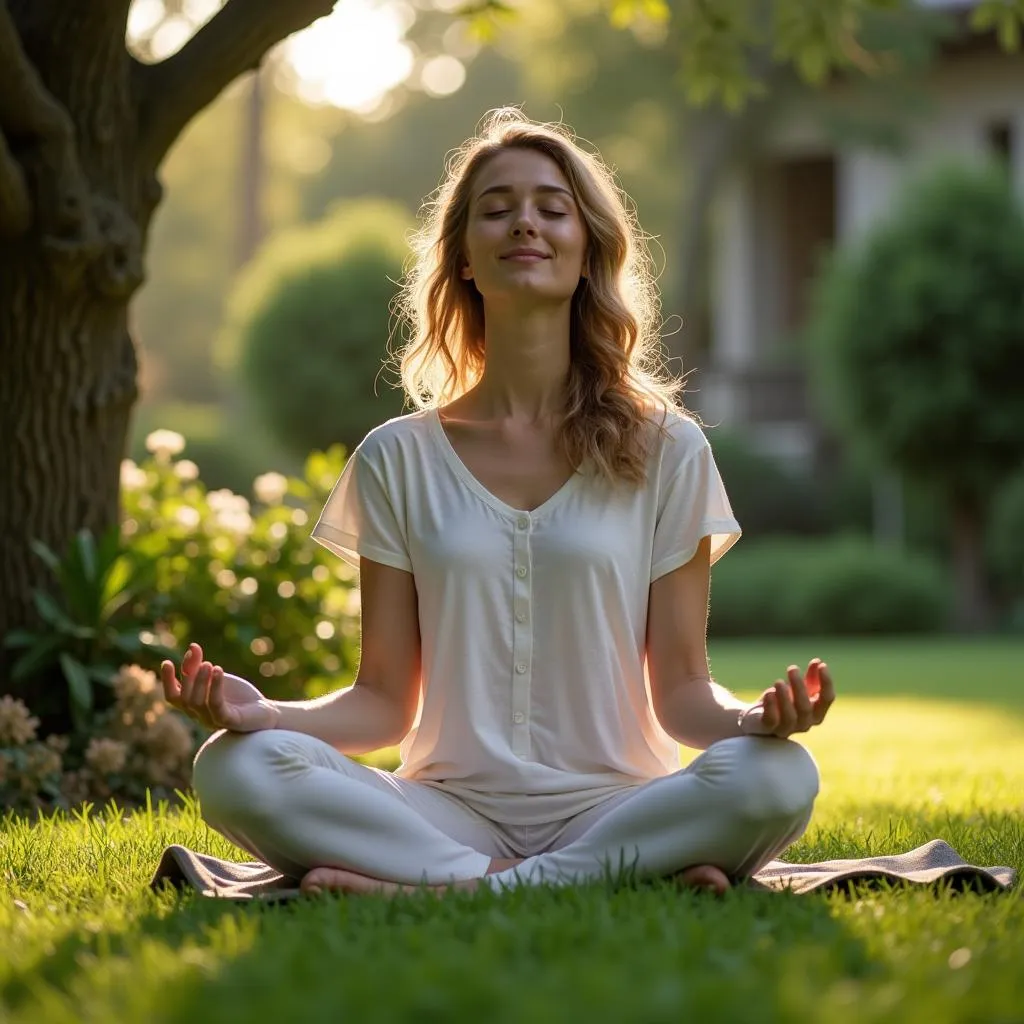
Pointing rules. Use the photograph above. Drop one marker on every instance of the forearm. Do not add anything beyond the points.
(353, 721)
(701, 712)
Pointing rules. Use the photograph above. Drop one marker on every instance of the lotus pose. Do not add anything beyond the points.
(534, 546)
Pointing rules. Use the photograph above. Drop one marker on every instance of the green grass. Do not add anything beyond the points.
(926, 741)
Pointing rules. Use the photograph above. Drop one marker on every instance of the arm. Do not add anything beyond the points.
(379, 708)
(691, 707)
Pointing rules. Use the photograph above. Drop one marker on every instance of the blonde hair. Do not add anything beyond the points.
(616, 375)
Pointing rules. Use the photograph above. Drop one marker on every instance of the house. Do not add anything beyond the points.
(804, 188)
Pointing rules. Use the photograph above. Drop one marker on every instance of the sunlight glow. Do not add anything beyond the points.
(143, 17)
(170, 36)
(442, 75)
(354, 56)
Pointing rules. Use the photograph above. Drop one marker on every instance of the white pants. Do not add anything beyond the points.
(295, 803)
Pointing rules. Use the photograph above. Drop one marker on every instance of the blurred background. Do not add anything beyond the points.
(264, 324)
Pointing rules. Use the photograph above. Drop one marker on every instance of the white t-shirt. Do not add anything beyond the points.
(535, 702)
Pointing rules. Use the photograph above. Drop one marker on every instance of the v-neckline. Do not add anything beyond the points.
(463, 472)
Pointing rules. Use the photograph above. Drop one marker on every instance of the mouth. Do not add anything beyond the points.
(525, 256)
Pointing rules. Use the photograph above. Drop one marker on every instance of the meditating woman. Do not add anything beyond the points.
(534, 547)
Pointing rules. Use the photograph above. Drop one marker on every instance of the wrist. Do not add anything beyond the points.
(749, 720)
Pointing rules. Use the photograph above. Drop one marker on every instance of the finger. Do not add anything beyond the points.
(787, 713)
(813, 678)
(827, 696)
(192, 661)
(186, 685)
(201, 688)
(770, 717)
(172, 688)
(801, 701)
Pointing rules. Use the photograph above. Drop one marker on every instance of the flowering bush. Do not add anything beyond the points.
(247, 583)
(139, 743)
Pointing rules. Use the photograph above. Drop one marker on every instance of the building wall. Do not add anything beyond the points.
(965, 96)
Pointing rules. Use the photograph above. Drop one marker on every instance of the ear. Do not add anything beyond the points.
(466, 273)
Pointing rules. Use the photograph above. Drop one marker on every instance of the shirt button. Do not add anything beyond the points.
(520, 616)
(521, 667)
(518, 716)
(523, 523)
(521, 572)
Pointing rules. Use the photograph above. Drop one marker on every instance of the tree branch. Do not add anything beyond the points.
(172, 92)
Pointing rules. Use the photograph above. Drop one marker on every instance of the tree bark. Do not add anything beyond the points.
(83, 128)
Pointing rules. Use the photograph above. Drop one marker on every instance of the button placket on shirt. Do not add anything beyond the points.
(522, 636)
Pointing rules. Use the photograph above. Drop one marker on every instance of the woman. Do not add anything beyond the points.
(540, 528)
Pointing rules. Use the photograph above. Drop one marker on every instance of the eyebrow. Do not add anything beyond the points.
(540, 188)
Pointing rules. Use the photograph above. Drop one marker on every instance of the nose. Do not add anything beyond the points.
(523, 225)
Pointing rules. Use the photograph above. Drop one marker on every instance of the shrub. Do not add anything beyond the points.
(246, 581)
(767, 496)
(846, 585)
(139, 744)
(916, 341)
(309, 323)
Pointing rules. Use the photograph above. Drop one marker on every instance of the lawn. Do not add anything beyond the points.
(926, 742)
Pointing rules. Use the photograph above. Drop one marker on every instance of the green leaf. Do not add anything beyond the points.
(102, 674)
(46, 554)
(86, 548)
(108, 550)
(1009, 31)
(37, 658)
(79, 685)
(51, 612)
(21, 638)
(128, 641)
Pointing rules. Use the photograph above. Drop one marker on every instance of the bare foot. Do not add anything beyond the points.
(703, 876)
(342, 880)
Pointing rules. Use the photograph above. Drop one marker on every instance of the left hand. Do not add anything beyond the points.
(794, 704)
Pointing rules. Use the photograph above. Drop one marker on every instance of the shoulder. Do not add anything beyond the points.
(393, 440)
(678, 438)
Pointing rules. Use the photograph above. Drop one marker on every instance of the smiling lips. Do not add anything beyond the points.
(525, 255)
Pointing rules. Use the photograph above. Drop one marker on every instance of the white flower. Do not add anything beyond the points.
(132, 478)
(188, 517)
(186, 469)
(164, 443)
(270, 488)
(227, 501)
(236, 521)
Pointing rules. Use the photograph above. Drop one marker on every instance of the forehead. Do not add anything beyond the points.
(522, 170)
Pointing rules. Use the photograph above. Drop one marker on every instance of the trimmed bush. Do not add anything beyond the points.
(308, 323)
(835, 586)
(916, 339)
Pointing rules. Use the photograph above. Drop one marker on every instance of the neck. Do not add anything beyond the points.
(526, 364)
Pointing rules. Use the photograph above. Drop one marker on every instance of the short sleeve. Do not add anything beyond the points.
(359, 518)
(692, 505)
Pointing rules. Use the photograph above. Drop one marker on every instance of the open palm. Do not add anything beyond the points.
(215, 699)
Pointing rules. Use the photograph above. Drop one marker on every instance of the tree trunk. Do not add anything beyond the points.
(83, 129)
(251, 172)
(68, 379)
(973, 604)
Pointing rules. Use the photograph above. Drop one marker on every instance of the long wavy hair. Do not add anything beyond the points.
(617, 374)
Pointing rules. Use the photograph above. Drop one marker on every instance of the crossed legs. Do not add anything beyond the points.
(297, 804)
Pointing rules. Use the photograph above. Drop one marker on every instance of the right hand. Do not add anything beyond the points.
(213, 699)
